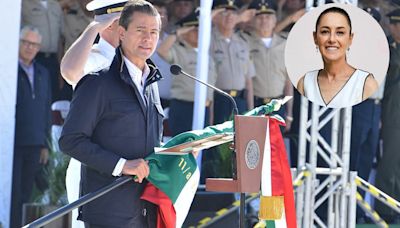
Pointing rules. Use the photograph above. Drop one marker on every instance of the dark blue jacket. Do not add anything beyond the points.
(33, 113)
(109, 120)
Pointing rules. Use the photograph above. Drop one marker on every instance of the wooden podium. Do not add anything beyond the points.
(249, 140)
(250, 135)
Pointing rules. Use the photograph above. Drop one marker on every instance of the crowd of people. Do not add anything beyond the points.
(62, 41)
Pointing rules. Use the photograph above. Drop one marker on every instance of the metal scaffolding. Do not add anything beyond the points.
(328, 196)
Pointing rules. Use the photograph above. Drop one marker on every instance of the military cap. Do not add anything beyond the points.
(190, 20)
(394, 16)
(226, 4)
(374, 13)
(106, 6)
(263, 6)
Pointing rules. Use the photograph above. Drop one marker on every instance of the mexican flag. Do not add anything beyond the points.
(173, 179)
(276, 181)
(173, 184)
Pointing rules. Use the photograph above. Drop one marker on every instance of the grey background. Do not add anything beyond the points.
(369, 50)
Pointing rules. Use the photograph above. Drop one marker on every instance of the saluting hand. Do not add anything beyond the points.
(246, 15)
(182, 30)
(215, 12)
(297, 15)
(105, 20)
(138, 167)
(280, 3)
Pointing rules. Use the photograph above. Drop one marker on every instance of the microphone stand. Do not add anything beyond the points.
(235, 109)
(175, 69)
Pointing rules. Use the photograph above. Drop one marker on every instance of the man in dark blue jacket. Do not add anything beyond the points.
(33, 121)
(115, 121)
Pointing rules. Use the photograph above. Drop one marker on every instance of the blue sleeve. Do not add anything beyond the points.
(86, 110)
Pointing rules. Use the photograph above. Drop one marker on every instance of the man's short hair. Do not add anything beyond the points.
(29, 28)
(137, 6)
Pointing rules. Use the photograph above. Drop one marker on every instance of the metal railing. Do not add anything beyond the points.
(81, 201)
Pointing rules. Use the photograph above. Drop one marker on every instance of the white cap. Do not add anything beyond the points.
(98, 4)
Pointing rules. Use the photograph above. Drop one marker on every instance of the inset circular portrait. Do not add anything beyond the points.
(337, 55)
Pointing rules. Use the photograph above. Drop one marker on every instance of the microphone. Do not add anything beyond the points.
(176, 70)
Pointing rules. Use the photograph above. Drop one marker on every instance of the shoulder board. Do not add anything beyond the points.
(282, 36)
(242, 35)
(72, 11)
(181, 44)
(94, 73)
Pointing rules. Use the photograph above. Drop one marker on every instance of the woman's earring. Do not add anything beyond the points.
(348, 49)
(316, 49)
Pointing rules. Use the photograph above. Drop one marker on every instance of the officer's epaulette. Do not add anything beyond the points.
(95, 50)
(72, 11)
(180, 43)
(242, 34)
(281, 36)
(94, 73)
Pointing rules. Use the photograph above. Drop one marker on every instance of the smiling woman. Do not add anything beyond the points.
(336, 54)
(338, 84)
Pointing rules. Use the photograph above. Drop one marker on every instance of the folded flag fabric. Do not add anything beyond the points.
(174, 178)
(277, 196)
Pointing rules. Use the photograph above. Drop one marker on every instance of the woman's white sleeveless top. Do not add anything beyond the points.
(350, 94)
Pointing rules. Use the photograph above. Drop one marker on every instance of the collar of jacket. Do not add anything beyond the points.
(154, 75)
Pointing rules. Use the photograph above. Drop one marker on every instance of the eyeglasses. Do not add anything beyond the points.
(229, 12)
(28, 43)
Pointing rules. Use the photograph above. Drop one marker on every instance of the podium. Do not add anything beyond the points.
(249, 139)
(250, 135)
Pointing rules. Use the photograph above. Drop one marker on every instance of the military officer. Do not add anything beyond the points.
(181, 48)
(267, 52)
(234, 67)
(76, 18)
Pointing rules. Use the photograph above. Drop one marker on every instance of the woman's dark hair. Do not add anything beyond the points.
(333, 10)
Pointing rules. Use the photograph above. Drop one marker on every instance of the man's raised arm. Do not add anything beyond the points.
(73, 63)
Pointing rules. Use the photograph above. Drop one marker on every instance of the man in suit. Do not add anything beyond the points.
(33, 121)
(115, 121)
